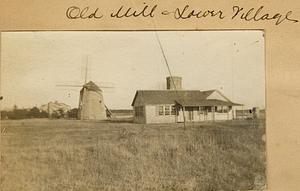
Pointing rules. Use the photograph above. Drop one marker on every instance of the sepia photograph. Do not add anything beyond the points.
(133, 110)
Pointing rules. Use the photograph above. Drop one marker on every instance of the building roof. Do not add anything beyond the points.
(55, 106)
(183, 97)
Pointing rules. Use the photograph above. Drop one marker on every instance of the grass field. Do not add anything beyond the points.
(74, 155)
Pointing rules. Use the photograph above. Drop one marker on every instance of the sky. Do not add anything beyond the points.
(34, 63)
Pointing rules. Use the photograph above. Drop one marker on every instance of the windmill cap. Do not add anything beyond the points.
(91, 86)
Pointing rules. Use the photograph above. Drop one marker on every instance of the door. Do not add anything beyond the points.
(180, 116)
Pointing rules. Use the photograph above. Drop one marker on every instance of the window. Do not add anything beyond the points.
(167, 110)
(200, 110)
(221, 109)
(207, 108)
(173, 111)
(225, 109)
(160, 110)
(218, 109)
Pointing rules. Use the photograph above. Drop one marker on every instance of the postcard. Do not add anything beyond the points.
(149, 95)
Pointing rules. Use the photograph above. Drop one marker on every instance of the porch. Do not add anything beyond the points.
(204, 113)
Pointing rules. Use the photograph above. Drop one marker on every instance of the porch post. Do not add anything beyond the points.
(213, 112)
(183, 110)
(234, 109)
(176, 114)
(227, 112)
(243, 112)
(199, 114)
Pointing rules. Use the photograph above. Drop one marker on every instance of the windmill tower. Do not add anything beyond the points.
(91, 103)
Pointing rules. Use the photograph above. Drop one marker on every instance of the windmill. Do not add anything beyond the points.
(91, 102)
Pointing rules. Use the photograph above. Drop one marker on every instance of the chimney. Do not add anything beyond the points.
(176, 81)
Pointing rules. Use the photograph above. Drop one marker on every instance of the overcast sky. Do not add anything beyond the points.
(33, 63)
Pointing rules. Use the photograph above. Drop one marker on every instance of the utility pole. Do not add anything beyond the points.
(86, 69)
(169, 70)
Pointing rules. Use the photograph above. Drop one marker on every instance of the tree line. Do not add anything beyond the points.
(34, 112)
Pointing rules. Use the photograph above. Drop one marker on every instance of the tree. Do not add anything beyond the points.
(73, 113)
(23, 113)
(58, 114)
(43, 114)
(19, 114)
(34, 113)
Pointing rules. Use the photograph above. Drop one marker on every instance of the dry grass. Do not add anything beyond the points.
(43, 155)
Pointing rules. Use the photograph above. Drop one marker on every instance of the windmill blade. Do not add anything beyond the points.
(68, 85)
(72, 82)
(86, 69)
(108, 90)
(106, 87)
(68, 89)
(105, 84)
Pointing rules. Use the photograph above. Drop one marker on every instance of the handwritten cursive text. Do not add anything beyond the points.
(77, 13)
(257, 15)
(146, 11)
(187, 13)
